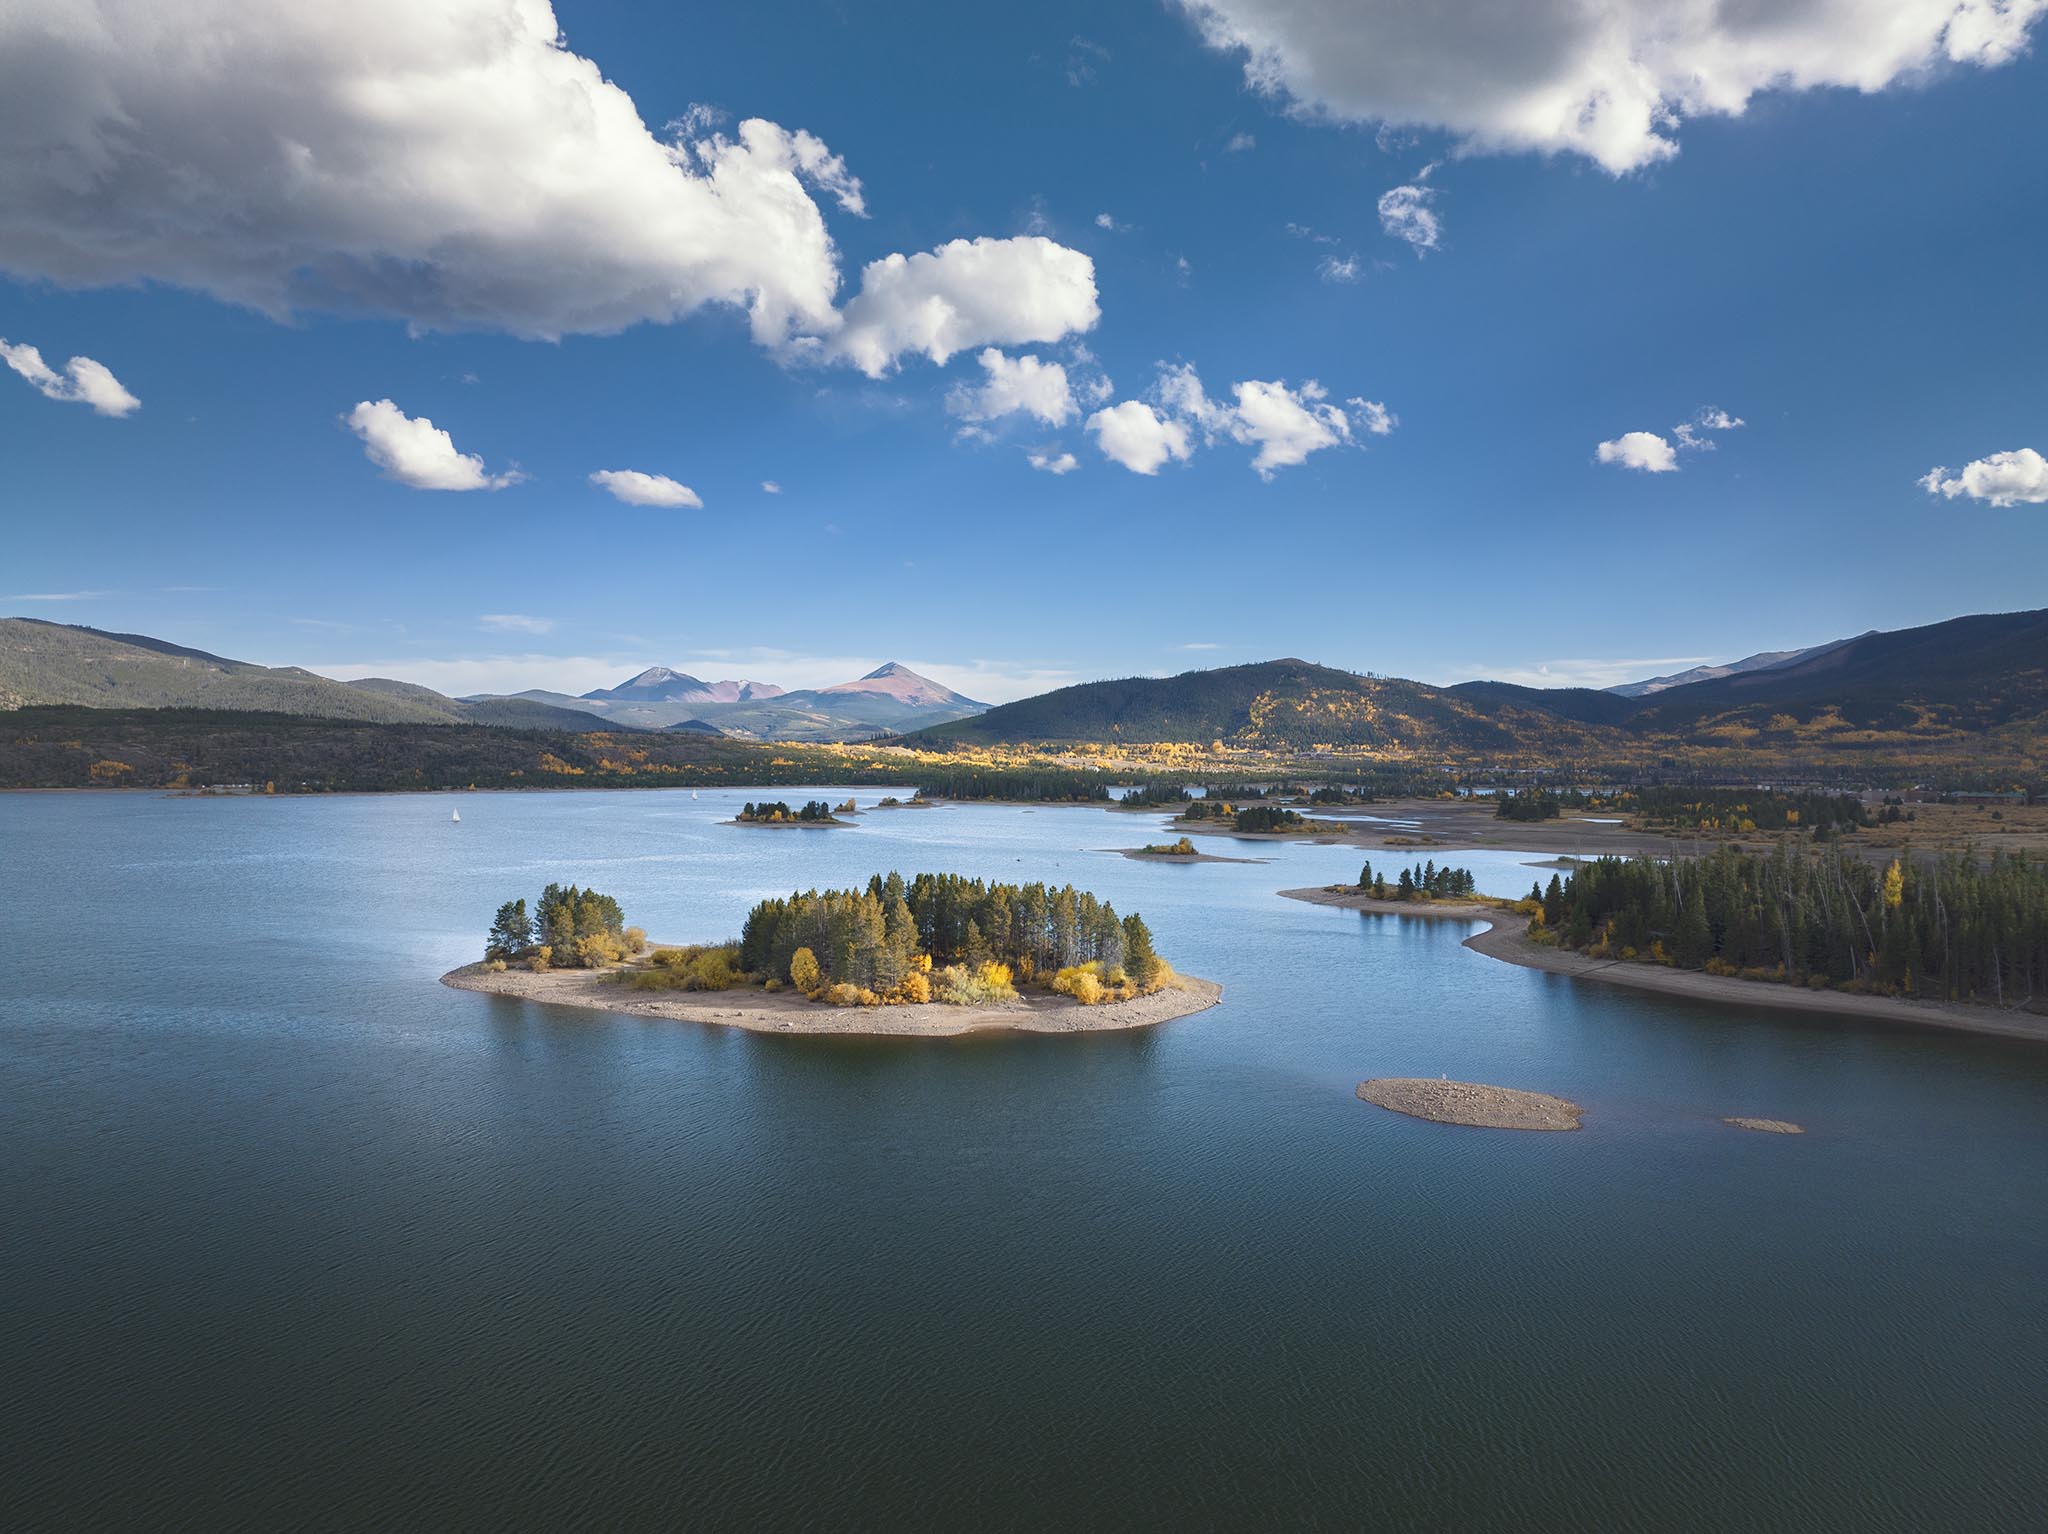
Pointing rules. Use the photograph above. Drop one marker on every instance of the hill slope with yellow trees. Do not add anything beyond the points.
(1975, 686)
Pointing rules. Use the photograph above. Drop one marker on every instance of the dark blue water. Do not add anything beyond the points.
(293, 1236)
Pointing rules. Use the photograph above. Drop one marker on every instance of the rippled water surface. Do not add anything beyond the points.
(294, 1236)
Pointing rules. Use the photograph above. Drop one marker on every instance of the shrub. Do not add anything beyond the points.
(983, 986)
(803, 971)
(916, 988)
(540, 958)
(841, 995)
(494, 966)
(598, 949)
(1079, 983)
(634, 940)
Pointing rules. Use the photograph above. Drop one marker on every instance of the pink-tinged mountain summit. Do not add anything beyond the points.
(889, 699)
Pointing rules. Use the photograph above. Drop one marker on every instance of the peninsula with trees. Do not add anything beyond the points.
(934, 954)
(1957, 941)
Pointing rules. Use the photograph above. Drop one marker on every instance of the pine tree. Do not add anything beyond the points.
(511, 932)
(1141, 962)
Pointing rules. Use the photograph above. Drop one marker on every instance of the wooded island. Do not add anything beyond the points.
(943, 952)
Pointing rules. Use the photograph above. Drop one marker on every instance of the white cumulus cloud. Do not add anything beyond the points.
(450, 162)
(83, 381)
(1612, 80)
(1406, 214)
(1284, 424)
(638, 489)
(1024, 385)
(1051, 461)
(454, 164)
(1643, 450)
(1136, 436)
(2003, 479)
(414, 451)
(771, 487)
(967, 293)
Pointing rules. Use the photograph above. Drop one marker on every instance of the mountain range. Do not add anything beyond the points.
(1971, 684)
(1974, 687)
(888, 700)
(57, 663)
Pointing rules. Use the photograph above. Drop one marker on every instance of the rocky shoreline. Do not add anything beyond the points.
(787, 1012)
(1505, 939)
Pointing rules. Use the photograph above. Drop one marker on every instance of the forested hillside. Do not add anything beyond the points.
(58, 664)
(1969, 690)
(197, 748)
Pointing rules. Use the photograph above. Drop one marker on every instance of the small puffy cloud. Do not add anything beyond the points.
(515, 623)
(1134, 435)
(2003, 479)
(1051, 461)
(1373, 417)
(1691, 434)
(1180, 391)
(1106, 221)
(416, 452)
(1643, 450)
(1240, 143)
(1406, 214)
(967, 293)
(1284, 424)
(1016, 386)
(638, 489)
(1339, 269)
(1613, 81)
(83, 381)
(771, 487)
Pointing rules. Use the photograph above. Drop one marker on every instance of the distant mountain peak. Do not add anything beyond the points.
(898, 681)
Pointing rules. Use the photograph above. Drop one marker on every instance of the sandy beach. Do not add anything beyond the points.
(787, 1012)
(1506, 939)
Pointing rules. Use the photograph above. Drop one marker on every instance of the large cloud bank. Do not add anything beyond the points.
(1612, 80)
(455, 164)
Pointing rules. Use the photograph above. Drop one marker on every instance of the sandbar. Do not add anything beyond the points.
(1470, 1103)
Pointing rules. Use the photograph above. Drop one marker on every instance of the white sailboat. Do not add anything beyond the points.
(693, 793)
(455, 816)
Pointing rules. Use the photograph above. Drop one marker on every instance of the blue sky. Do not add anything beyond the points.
(1854, 273)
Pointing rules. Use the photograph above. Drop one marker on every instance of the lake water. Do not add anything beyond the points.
(294, 1236)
